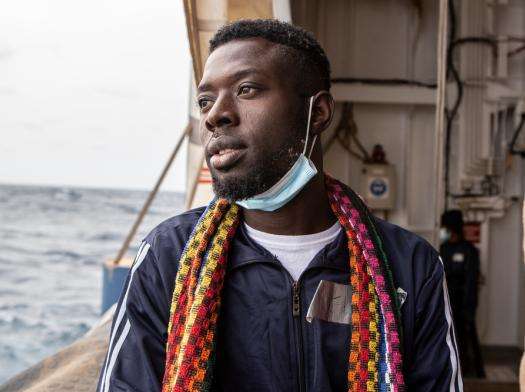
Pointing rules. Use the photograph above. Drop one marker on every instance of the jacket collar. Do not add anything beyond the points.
(246, 251)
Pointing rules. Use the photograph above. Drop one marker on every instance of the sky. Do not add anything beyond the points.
(92, 93)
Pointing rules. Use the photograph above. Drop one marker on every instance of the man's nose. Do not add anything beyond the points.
(223, 113)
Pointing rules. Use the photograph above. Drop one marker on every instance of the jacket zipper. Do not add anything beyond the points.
(296, 313)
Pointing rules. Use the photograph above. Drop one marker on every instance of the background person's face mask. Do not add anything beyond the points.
(295, 179)
(444, 234)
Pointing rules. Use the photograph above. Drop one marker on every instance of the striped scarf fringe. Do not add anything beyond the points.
(374, 363)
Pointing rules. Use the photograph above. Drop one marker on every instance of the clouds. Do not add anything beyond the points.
(6, 53)
(92, 93)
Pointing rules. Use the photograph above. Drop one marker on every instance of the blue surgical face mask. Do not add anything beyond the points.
(295, 179)
(444, 235)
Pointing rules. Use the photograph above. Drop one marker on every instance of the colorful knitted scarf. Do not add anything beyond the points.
(375, 361)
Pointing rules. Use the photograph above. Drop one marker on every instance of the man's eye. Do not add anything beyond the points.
(203, 103)
(246, 90)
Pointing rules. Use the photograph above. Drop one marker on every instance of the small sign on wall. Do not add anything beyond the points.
(378, 186)
(472, 232)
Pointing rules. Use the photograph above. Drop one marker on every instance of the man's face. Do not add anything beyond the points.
(252, 118)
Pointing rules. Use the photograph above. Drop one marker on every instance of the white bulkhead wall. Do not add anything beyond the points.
(385, 39)
(505, 274)
(501, 315)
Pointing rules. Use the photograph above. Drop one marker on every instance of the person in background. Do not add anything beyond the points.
(461, 262)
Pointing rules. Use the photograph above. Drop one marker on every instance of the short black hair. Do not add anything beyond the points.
(302, 49)
(453, 220)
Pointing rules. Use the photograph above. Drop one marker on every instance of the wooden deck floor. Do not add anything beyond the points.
(501, 366)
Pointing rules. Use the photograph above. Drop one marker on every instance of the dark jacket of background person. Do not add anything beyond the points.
(461, 262)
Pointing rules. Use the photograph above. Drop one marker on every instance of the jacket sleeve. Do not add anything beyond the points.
(436, 362)
(136, 353)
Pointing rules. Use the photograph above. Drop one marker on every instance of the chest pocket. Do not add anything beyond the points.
(331, 302)
(328, 333)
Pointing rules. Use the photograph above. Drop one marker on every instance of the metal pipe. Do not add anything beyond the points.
(440, 114)
(195, 182)
(190, 12)
(151, 196)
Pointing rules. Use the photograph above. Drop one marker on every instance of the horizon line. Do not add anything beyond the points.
(87, 186)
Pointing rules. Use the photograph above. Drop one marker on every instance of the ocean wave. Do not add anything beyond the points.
(8, 292)
(128, 209)
(13, 307)
(19, 250)
(19, 324)
(90, 261)
(24, 279)
(73, 332)
(54, 240)
(8, 352)
(106, 237)
(66, 194)
(69, 254)
(13, 233)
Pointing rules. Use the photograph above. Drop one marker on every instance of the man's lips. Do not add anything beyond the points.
(226, 158)
(225, 151)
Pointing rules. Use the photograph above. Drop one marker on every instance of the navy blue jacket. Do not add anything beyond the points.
(261, 346)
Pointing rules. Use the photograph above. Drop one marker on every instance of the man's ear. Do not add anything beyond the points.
(322, 111)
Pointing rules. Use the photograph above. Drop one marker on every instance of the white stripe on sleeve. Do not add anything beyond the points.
(141, 255)
(451, 342)
(115, 352)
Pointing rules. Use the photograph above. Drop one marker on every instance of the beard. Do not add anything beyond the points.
(258, 178)
(268, 167)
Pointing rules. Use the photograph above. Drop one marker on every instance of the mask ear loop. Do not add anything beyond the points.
(312, 147)
(308, 130)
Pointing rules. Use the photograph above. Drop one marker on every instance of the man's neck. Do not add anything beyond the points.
(309, 212)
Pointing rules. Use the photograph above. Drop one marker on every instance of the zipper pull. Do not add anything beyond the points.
(296, 307)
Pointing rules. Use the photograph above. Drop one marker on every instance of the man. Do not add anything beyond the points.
(461, 262)
(285, 282)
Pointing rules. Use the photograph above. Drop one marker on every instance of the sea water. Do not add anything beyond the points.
(53, 242)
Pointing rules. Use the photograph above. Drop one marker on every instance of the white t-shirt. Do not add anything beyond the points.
(294, 251)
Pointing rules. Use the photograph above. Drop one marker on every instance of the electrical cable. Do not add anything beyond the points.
(346, 132)
(453, 71)
(374, 81)
(512, 143)
(516, 51)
